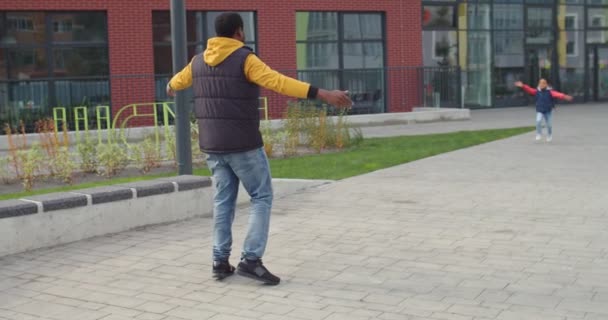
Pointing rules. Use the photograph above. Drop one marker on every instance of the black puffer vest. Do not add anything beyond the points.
(226, 105)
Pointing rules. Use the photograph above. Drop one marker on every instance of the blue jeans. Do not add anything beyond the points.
(548, 116)
(252, 169)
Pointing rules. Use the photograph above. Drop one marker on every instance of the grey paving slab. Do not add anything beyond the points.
(514, 229)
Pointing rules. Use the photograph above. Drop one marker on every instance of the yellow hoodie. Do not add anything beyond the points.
(256, 71)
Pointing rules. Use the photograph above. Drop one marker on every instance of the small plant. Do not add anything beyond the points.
(318, 134)
(355, 139)
(5, 176)
(31, 160)
(148, 156)
(268, 138)
(64, 165)
(88, 156)
(171, 146)
(113, 158)
(16, 147)
(194, 142)
(342, 132)
(51, 143)
(293, 129)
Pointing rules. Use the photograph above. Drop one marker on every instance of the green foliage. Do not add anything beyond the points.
(171, 146)
(31, 161)
(88, 156)
(113, 158)
(146, 155)
(269, 138)
(378, 153)
(5, 176)
(64, 165)
(370, 155)
(194, 142)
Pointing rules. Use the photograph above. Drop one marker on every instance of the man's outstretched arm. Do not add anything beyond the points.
(180, 81)
(261, 74)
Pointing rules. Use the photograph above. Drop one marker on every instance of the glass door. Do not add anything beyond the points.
(540, 46)
(598, 73)
(539, 64)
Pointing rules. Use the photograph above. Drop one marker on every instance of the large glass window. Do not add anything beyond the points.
(199, 28)
(571, 48)
(50, 59)
(343, 50)
(510, 40)
(476, 53)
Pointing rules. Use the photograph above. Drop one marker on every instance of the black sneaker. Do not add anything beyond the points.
(254, 269)
(222, 269)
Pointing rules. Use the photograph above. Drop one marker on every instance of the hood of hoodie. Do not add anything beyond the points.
(220, 48)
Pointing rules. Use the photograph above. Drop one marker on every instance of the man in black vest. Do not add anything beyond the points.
(226, 80)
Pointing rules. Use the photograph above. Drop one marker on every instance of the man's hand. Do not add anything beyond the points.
(568, 98)
(170, 92)
(519, 84)
(336, 98)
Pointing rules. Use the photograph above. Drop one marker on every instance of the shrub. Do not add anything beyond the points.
(113, 158)
(31, 160)
(194, 142)
(146, 155)
(5, 175)
(171, 146)
(342, 132)
(64, 165)
(50, 142)
(88, 156)
(268, 138)
(16, 147)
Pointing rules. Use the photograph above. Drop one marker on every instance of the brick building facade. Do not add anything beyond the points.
(130, 40)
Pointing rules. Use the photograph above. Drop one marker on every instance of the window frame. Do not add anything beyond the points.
(207, 34)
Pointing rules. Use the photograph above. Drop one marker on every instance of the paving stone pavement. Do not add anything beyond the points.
(512, 229)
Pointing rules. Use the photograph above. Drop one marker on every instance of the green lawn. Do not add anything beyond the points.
(373, 154)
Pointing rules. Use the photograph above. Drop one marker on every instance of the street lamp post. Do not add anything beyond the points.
(182, 110)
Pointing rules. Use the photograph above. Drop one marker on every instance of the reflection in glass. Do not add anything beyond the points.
(27, 63)
(317, 55)
(539, 28)
(3, 65)
(571, 17)
(597, 36)
(477, 70)
(570, 51)
(597, 17)
(316, 26)
(363, 55)
(362, 26)
(79, 62)
(434, 16)
(440, 48)
(508, 63)
(23, 28)
(508, 16)
(79, 27)
(474, 16)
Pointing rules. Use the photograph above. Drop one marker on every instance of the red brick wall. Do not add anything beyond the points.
(131, 51)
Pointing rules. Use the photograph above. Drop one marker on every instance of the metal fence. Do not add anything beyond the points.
(371, 90)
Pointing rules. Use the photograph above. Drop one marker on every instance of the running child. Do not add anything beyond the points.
(545, 103)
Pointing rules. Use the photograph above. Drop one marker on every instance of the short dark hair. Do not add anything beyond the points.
(227, 24)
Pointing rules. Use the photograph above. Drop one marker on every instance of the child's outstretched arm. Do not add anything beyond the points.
(526, 88)
(561, 96)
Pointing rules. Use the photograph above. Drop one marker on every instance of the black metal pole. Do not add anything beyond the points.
(182, 112)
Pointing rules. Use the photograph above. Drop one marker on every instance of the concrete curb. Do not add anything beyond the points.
(52, 219)
(59, 218)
